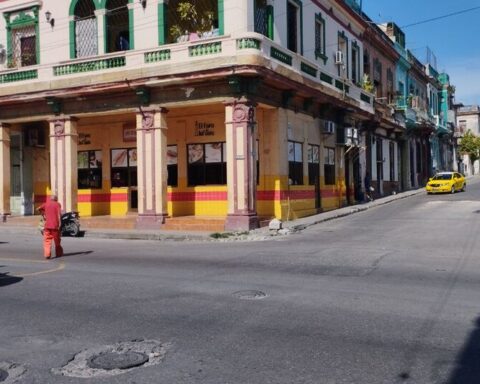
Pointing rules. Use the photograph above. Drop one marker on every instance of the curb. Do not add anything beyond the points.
(289, 227)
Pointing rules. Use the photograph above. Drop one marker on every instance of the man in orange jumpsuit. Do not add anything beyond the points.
(52, 230)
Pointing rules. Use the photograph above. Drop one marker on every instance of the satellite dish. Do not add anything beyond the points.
(3, 54)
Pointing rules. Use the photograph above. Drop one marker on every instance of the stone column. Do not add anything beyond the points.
(4, 171)
(241, 133)
(152, 167)
(63, 161)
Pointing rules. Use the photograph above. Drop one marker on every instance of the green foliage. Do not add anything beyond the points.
(191, 20)
(470, 145)
(367, 85)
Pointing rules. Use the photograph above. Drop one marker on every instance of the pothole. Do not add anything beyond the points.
(250, 295)
(10, 372)
(3, 375)
(111, 360)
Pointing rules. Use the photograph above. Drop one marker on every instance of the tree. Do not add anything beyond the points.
(470, 145)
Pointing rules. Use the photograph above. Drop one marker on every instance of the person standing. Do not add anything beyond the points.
(368, 187)
(52, 230)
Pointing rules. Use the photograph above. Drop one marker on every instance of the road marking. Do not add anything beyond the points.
(60, 267)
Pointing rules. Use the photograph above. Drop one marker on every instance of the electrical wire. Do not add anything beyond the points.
(441, 17)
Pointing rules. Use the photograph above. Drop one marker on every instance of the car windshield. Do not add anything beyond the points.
(442, 177)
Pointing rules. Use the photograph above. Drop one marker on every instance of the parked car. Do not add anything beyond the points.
(449, 182)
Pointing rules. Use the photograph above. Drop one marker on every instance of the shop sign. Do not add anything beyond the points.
(129, 134)
(204, 129)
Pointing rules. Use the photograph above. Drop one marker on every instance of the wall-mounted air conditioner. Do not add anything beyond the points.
(339, 57)
(328, 127)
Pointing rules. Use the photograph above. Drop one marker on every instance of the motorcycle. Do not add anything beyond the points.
(70, 223)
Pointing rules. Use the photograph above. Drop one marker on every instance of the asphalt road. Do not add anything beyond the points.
(389, 295)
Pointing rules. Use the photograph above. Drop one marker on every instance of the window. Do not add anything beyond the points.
(379, 148)
(85, 25)
(123, 167)
(390, 90)
(294, 31)
(89, 169)
(295, 163)
(329, 166)
(172, 165)
(117, 26)
(366, 62)
(191, 20)
(343, 47)
(392, 160)
(263, 18)
(207, 164)
(320, 38)
(355, 63)
(313, 155)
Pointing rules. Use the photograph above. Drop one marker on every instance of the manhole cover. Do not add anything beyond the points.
(3, 375)
(116, 360)
(250, 295)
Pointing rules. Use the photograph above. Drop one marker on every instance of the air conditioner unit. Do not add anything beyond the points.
(328, 127)
(339, 57)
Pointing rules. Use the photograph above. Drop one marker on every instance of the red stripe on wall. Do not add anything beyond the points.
(103, 198)
(197, 196)
(284, 195)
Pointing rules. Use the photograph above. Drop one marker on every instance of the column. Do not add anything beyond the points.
(4, 171)
(152, 167)
(100, 15)
(63, 161)
(241, 133)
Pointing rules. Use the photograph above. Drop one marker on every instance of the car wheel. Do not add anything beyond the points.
(453, 189)
(464, 187)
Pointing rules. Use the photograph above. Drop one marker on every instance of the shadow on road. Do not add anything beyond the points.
(77, 253)
(6, 279)
(467, 365)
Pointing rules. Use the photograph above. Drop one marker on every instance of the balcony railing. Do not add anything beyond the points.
(172, 56)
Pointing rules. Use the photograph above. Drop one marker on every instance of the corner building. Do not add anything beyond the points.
(251, 111)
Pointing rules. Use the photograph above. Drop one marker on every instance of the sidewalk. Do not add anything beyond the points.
(257, 234)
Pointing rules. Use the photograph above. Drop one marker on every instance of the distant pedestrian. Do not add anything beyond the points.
(51, 210)
(368, 187)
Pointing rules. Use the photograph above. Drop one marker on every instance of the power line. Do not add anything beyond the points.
(441, 17)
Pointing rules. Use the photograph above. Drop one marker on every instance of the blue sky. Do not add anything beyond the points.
(454, 40)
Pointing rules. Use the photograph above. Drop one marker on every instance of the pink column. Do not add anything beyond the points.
(152, 167)
(241, 132)
(4, 170)
(63, 161)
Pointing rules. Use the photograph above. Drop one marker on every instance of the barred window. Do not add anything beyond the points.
(86, 36)
(24, 47)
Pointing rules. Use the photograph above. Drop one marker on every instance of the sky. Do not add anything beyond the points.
(455, 40)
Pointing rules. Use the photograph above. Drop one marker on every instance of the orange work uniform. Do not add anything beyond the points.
(52, 212)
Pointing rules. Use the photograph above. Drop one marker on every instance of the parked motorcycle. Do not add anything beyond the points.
(71, 223)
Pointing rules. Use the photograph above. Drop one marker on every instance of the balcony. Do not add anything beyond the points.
(215, 52)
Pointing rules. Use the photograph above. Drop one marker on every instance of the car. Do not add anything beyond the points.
(449, 182)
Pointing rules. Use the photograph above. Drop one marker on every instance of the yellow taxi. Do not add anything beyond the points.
(450, 182)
